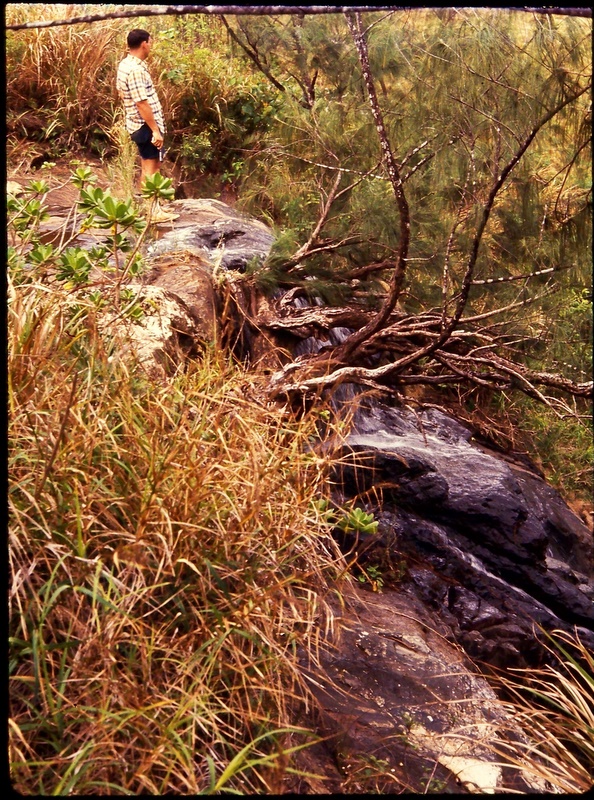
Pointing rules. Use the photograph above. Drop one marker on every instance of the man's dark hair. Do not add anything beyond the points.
(136, 37)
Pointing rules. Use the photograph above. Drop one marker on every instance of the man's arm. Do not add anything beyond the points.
(146, 112)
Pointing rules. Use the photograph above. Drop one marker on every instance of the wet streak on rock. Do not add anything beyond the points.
(490, 545)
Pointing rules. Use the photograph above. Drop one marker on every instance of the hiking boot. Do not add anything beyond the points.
(160, 215)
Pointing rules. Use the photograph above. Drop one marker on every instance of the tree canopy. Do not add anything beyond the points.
(427, 173)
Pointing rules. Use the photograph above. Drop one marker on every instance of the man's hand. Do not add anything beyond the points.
(157, 138)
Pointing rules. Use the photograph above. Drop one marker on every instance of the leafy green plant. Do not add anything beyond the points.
(196, 149)
(73, 265)
(26, 213)
(372, 574)
(134, 308)
(234, 173)
(359, 521)
(158, 186)
(216, 106)
(324, 509)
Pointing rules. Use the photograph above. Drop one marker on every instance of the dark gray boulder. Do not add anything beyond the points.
(216, 231)
(490, 544)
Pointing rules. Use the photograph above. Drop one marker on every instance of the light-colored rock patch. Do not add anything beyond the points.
(160, 339)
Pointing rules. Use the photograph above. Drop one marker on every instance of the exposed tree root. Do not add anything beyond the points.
(397, 356)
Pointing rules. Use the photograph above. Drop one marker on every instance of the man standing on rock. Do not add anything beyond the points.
(144, 115)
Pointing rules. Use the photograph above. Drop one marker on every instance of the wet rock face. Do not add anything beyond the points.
(489, 544)
(215, 231)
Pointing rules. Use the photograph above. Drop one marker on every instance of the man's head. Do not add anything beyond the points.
(139, 42)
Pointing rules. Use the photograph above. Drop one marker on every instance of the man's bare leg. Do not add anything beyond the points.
(148, 166)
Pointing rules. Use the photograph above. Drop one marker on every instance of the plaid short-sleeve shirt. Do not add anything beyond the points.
(134, 84)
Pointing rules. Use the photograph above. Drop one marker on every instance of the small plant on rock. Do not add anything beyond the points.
(358, 521)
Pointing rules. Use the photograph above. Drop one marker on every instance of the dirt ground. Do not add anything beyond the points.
(27, 164)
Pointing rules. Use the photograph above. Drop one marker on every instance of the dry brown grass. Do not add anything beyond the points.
(166, 556)
(554, 706)
(68, 71)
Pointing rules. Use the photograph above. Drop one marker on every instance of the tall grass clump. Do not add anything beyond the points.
(554, 705)
(60, 85)
(123, 168)
(168, 557)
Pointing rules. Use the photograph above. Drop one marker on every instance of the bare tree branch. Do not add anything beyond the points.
(372, 173)
(238, 10)
(313, 245)
(502, 309)
(430, 339)
(460, 216)
(252, 55)
(527, 378)
(230, 10)
(467, 282)
(564, 12)
(305, 83)
(493, 371)
(361, 272)
(304, 322)
(488, 206)
(347, 349)
(489, 281)
(397, 279)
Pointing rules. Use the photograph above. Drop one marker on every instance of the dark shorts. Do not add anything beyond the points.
(142, 137)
